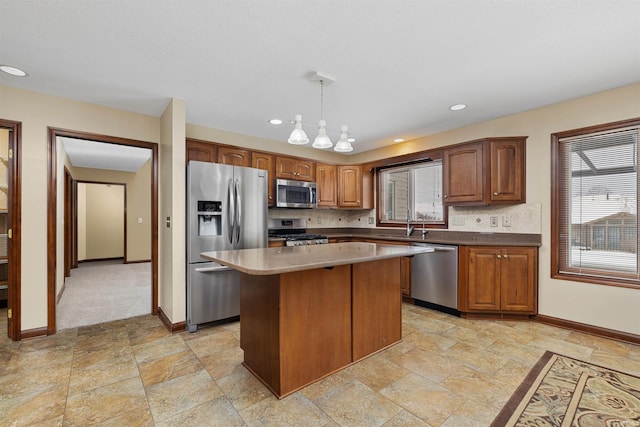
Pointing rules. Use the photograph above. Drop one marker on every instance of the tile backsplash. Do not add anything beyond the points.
(328, 218)
(522, 218)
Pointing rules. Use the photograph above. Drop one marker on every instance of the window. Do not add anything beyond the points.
(594, 204)
(414, 190)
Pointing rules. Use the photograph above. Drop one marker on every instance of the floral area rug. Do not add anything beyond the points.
(565, 392)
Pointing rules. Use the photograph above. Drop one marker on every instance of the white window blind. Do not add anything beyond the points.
(598, 214)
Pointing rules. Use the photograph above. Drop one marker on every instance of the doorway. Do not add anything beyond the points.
(71, 253)
(10, 234)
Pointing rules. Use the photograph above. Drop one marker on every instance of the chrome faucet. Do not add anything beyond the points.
(409, 226)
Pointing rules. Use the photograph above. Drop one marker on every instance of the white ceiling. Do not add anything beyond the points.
(399, 64)
(99, 155)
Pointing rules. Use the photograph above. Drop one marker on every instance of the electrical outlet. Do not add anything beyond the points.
(506, 221)
(458, 220)
(494, 221)
(370, 220)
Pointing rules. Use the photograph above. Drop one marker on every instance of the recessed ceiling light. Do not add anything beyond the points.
(458, 107)
(12, 70)
(275, 121)
(398, 140)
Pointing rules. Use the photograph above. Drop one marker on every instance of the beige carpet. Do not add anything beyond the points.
(102, 291)
(561, 391)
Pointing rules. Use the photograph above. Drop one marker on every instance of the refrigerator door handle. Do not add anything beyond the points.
(210, 269)
(238, 212)
(231, 211)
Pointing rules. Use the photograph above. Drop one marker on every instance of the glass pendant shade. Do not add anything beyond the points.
(343, 145)
(322, 140)
(298, 136)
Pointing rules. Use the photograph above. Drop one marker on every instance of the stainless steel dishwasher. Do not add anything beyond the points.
(434, 276)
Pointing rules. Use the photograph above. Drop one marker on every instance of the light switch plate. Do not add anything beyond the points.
(494, 221)
(506, 221)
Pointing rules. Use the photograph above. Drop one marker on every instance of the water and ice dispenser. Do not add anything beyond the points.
(209, 218)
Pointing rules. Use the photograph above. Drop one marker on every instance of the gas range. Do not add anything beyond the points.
(305, 239)
(294, 232)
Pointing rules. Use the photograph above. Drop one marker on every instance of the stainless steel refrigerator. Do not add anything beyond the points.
(226, 209)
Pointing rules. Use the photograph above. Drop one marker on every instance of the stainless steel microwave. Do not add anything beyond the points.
(296, 194)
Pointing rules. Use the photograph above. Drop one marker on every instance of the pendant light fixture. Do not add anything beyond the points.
(322, 140)
(343, 145)
(298, 136)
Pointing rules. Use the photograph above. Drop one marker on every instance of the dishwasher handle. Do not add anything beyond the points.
(436, 248)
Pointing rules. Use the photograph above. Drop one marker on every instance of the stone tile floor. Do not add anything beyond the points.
(447, 371)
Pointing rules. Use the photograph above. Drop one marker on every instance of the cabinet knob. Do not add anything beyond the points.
(445, 196)
(506, 256)
(495, 194)
(498, 256)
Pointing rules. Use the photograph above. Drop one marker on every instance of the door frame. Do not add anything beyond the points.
(14, 245)
(53, 134)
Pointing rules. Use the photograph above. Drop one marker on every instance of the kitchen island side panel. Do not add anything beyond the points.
(315, 325)
(260, 327)
(377, 306)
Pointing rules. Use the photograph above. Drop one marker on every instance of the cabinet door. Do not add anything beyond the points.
(267, 162)
(507, 171)
(201, 151)
(305, 170)
(327, 185)
(350, 186)
(463, 170)
(484, 279)
(286, 168)
(234, 156)
(517, 279)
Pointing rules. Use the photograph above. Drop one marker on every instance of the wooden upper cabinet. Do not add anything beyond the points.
(350, 186)
(295, 168)
(201, 151)
(484, 172)
(507, 171)
(326, 177)
(266, 161)
(463, 170)
(234, 156)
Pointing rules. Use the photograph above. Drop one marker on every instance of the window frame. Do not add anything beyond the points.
(381, 221)
(595, 276)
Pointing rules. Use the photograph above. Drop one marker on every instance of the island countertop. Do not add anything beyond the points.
(266, 261)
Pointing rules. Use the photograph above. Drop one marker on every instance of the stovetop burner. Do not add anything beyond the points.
(294, 232)
(303, 236)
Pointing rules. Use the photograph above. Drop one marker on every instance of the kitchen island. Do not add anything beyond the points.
(309, 311)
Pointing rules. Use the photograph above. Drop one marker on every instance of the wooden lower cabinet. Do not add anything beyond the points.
(494, 280)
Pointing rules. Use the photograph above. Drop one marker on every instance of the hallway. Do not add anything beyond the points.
(103, 291)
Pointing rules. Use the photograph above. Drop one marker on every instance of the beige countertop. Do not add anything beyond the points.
(265, 261)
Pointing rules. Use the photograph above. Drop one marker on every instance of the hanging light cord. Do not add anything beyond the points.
(321, 99)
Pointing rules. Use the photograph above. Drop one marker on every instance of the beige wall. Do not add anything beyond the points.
(172, 253)
(104, 216)
(36, 112)
(138, 199)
